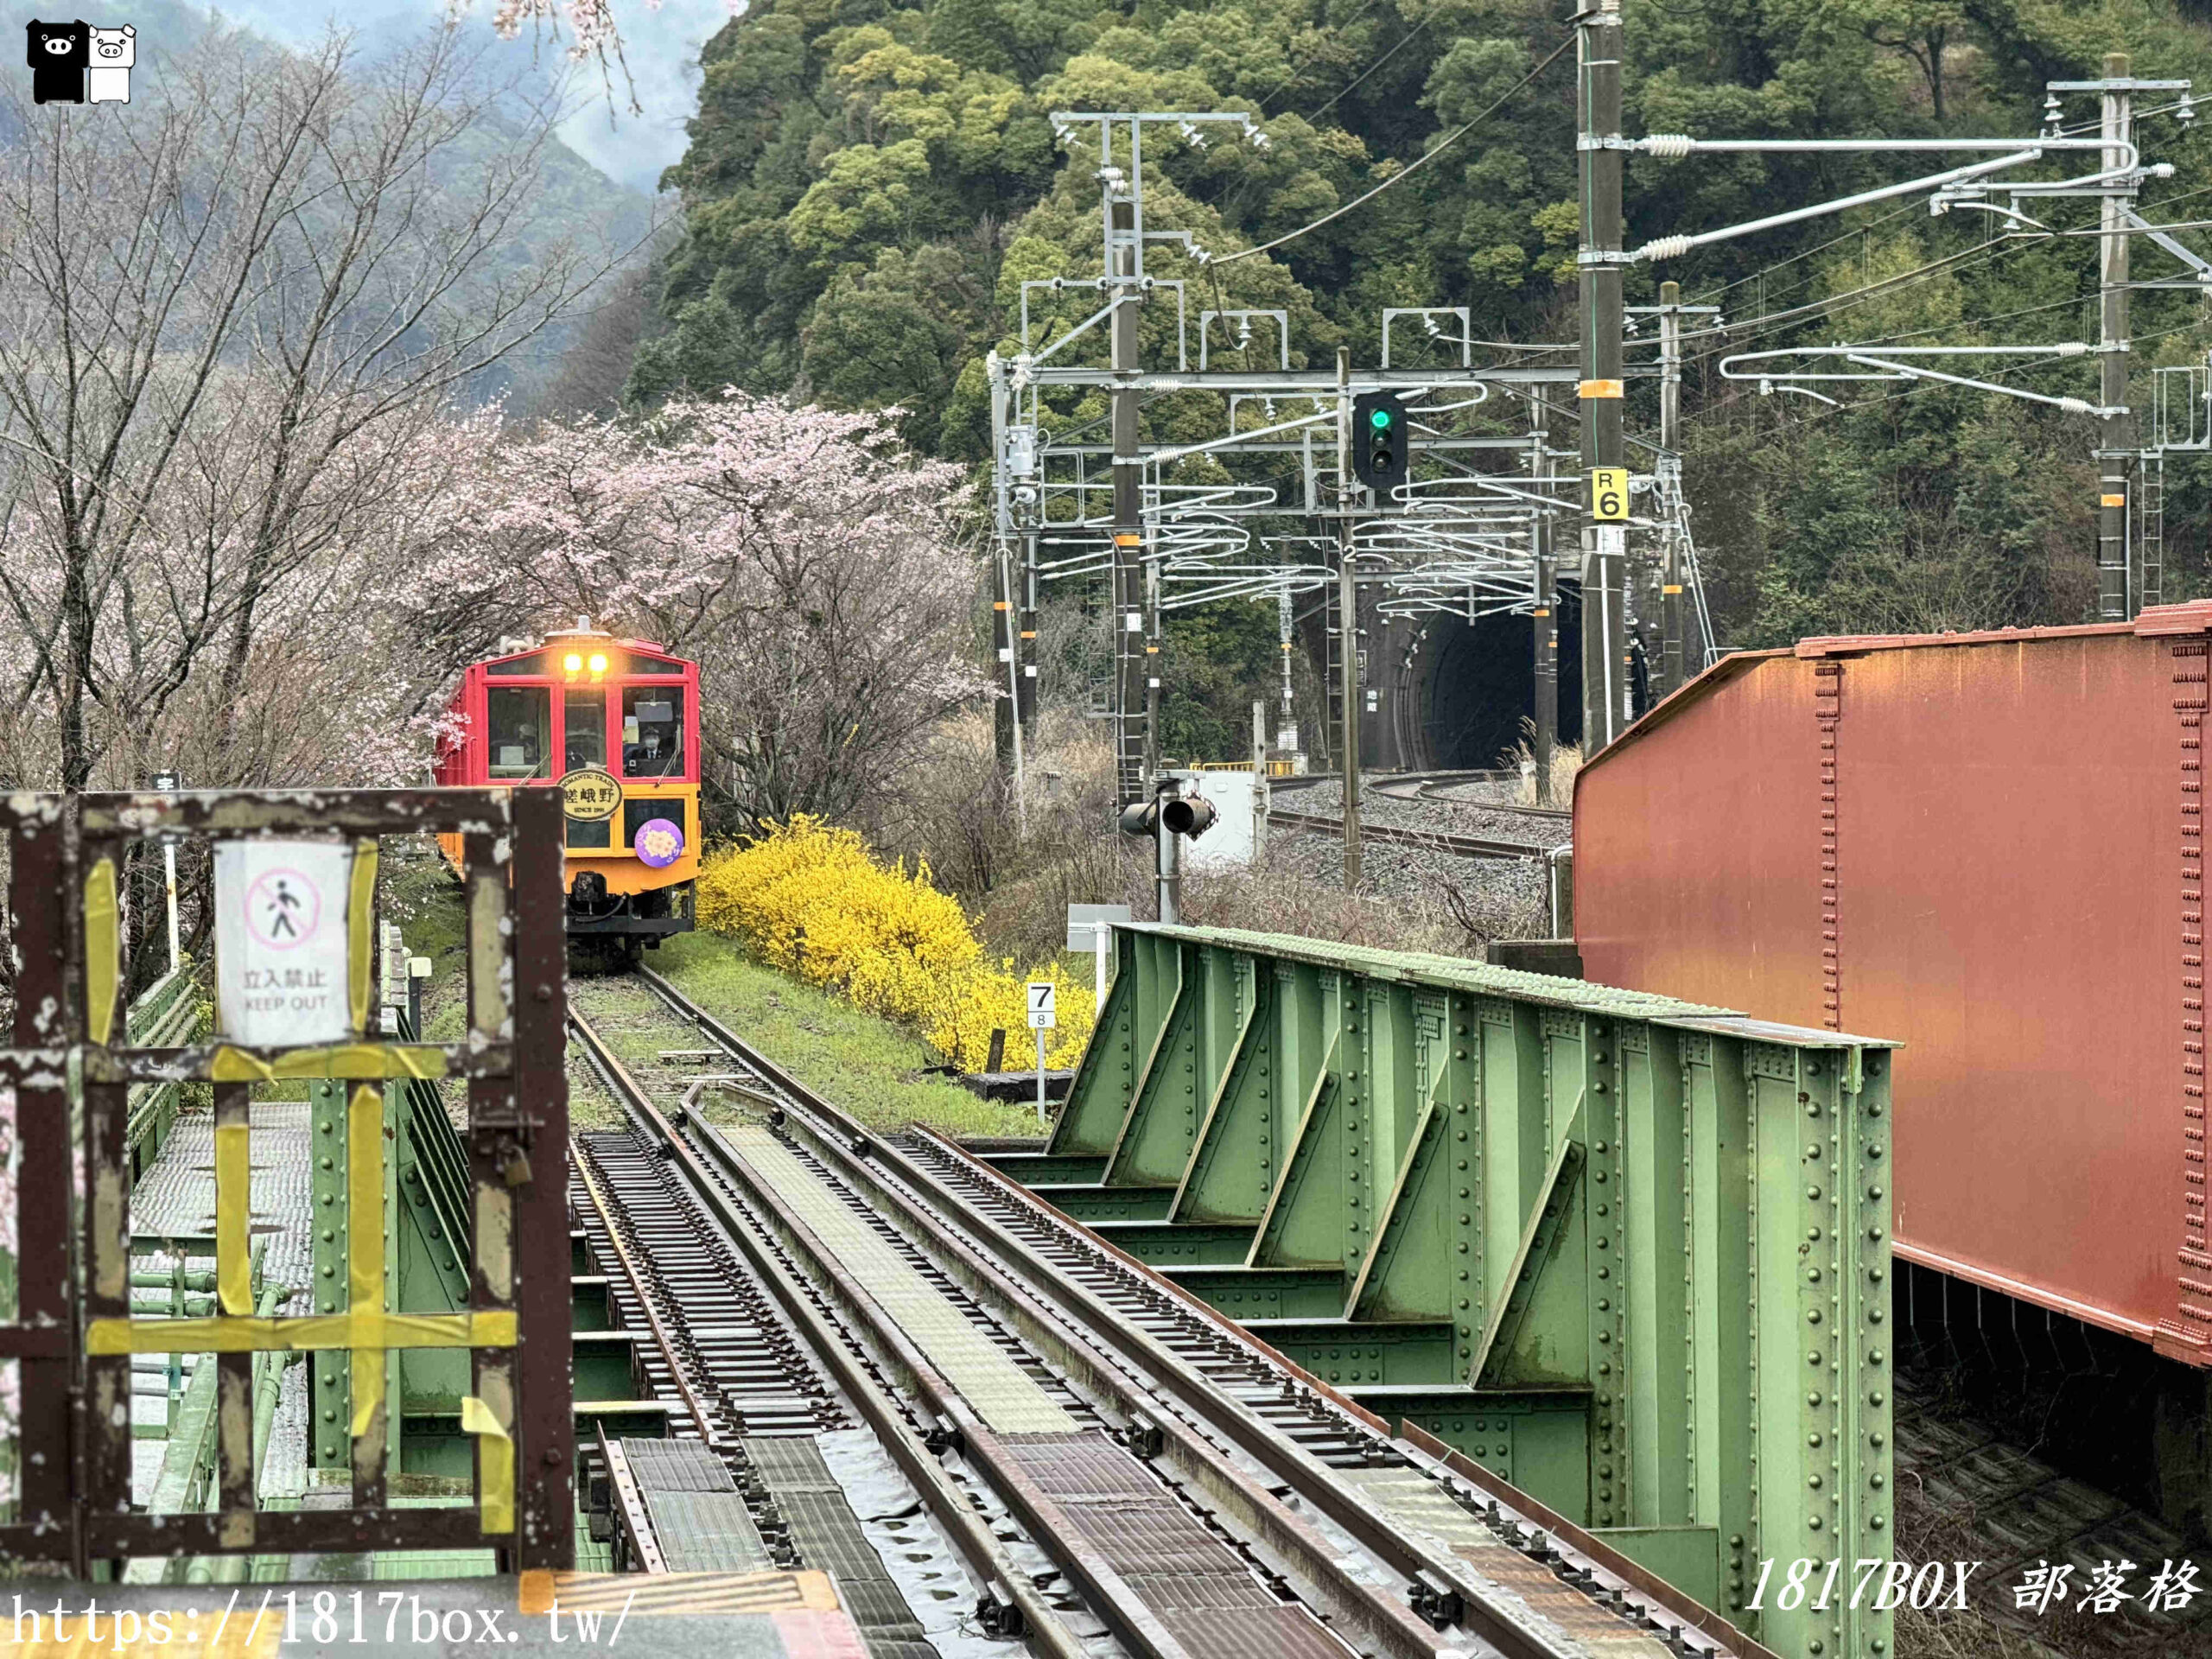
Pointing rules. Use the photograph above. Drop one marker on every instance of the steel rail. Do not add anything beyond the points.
(1479, 1610)
(1662, 1595)
(1429, 792)
(949, 1507)
(587, 1172)
(1306, 1554)
(1109, 1595)
(1426, 786)
(1441, 840)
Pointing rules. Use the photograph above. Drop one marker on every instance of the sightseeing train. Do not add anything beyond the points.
(615, 725)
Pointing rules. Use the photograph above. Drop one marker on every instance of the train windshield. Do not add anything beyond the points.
(584, 711)
(652, 731)
(520, 731)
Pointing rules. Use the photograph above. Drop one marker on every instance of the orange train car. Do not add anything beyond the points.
(615, 725)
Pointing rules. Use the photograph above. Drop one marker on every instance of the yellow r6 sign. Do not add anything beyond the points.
(1609, 494)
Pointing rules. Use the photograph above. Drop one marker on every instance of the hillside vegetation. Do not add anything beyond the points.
(869, 181)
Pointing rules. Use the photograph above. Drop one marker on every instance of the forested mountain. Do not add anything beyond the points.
(868, 181)
(573, 201)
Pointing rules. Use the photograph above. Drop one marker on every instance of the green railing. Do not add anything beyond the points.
(165, 1015)
(1629, 1254)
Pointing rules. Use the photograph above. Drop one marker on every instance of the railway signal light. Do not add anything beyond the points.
(1379, 441)
(1187, 815)
(1166, 817)
(1179, 815)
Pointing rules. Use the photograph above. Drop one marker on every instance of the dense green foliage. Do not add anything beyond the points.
(869, 181)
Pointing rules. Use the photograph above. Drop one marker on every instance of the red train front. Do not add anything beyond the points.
(615, 725)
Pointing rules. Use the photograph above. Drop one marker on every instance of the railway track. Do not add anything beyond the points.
(1441, 840)
(1548, 826)
(1177, 1480)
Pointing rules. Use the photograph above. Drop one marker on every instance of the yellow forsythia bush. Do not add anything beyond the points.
(810, 899)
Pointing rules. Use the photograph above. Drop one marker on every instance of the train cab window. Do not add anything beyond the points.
(584, 711)
(519, 731)
(652, 731)
(584, 833)
(519, 665)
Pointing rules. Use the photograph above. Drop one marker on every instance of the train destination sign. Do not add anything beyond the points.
(280, 942)
(589, 794)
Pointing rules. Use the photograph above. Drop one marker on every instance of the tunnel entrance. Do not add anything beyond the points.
(1482, 684)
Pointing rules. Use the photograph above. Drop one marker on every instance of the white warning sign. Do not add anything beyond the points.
(280, 942)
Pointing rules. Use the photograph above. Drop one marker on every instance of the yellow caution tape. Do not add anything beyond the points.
(492, 1328)
(103, 952)
(1599, 389)
(365, 1242)
(233, 1212)
(366, 1370)
(229, 1064)
(1671, 588)
(495, 1463)
(361, 930)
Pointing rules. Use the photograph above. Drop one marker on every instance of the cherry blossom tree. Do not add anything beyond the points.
(229, 327)
(821, 576)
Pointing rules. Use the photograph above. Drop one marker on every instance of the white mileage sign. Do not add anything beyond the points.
(1044, 1016)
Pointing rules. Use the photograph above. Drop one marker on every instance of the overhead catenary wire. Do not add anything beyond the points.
(1404, 40)
(1398, 177)
(1307, 61)
(1791, 418)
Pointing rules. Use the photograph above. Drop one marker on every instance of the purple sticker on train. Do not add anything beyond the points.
(660, 842)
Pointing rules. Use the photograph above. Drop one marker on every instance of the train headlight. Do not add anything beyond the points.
(573, 663)
(599, 662)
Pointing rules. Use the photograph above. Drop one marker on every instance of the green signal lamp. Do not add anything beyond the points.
(1379, 418)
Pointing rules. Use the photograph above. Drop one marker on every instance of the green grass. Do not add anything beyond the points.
(870, 1066)
(417, 889)
(866, 1066)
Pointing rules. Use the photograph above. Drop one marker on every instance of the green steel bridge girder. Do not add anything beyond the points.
(1630, 1253)
(426, 1230)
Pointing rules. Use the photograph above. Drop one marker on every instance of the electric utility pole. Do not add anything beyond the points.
(1132, 663)
(1605, 634)
(2118, 593)
(1347, 622)
(1670, 441)
(1668, 665)
(1007, 728)
(1545, 634)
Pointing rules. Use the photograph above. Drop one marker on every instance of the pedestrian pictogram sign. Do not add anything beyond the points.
(1041, 1016)
(1609, 494)
(281, 935)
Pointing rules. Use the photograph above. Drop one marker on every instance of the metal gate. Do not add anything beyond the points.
(70, 1072)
